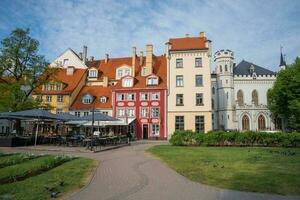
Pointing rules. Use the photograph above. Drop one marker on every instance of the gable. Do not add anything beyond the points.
(72, 60)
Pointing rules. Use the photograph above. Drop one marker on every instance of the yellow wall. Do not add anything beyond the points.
(54, 104)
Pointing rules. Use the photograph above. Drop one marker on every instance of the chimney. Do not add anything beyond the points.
(105, 81)
(106, 58)
(202, 34)
(91, 58)
(80, 55)
(70, 71)
(133, 60)
(208, 45)
(141, 58)
(149, 62)
(84, 54)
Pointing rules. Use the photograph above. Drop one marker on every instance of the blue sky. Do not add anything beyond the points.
(254, 29)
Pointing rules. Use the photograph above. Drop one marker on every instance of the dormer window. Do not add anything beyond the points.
(127, 82)
(103, 99)
(93, 73)
(153, 80)
(144, 71)
(66, 62)
(87, 99)
(251, 69)
(123, 71)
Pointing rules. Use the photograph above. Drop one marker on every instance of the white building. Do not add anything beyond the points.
(239, 95)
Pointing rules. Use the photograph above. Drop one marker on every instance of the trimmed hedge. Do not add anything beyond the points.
(221, 138)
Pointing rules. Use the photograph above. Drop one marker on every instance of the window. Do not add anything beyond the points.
(144, 71)
(121, 72)
(127, 82)
(227, 95)
(39, 98)
(199, 80)
(154, 112)
(131, 97)
(199, 123)
(105, 112)
(87, 99)
(245, 123)
(152, 81)
(179, 63)
(60, 98)
(130, 112)
(240, 98)
(261, 122)
(212, 104)
(221, 68)
(66, 61)
(121, 97)
(255, 97)
(93, 73)
(213, 90)
(58, 86)
(155, 129)
(52, 86)
(226, 68)
(179, 122)
(198, 62)
(103, 99)
(179, 81)
(126, 72)
(155, 96)
(48, 98)
(144, 112)
(226, 81)
(77, 114)
(85, 113)
(199, 99)
(144, 96)
(120, 112)
(179, 99)
(58, 110)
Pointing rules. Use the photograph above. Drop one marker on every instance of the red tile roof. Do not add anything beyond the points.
(70, 81)
(187, 43)
(97, 92)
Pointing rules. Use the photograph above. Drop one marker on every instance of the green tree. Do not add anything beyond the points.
(284, 97)
(21, 68)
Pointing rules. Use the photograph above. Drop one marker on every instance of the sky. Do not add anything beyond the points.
(254, 29)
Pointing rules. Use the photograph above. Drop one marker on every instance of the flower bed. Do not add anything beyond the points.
(15, 159)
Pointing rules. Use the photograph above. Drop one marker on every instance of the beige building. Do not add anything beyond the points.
(189, 84)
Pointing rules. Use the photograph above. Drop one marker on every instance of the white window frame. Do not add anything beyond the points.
(103, 99)
(144, 112)
(155, 129)
(93, 73)
(130, 112)
(131, 97)
(60, 98)
(120, 112)
(77, 113)
(155, 96)
(152, 112)
(179, 81)
(127, 82)
(143, 96)
(48, 98)
(87, 99)
(119, 95)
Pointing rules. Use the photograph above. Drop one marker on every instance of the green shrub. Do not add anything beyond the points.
(249, 138)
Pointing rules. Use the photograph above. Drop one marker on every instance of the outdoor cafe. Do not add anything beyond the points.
(40, 127)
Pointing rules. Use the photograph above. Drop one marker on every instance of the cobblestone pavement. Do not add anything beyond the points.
(131, 173)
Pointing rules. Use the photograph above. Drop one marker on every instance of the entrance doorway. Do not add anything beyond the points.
(145, 131)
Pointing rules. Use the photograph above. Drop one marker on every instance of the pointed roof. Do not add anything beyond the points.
(282, 61)
(243, 68)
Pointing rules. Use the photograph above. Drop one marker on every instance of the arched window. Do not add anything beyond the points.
(226, 68)
(240, 98)
(245, 123)
(87, 99)
(227, 95)
(221, 68)
(213, 90)
(255, 97)
(261, 122)
(212, 104)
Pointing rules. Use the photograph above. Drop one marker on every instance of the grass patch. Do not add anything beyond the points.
(72, 174)
(30, 168)
(15, 159)
(267, 170)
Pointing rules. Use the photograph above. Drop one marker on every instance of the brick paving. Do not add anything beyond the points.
(130, 173)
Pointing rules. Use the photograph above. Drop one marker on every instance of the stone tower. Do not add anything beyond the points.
(224, 60)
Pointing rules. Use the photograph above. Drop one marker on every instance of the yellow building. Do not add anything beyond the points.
(189, 84)
(59, 93)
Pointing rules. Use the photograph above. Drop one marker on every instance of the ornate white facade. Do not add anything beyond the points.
(239, 95)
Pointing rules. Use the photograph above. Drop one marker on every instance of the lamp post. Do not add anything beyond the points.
(93, 120)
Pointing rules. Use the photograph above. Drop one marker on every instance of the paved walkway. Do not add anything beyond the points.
(130, 173)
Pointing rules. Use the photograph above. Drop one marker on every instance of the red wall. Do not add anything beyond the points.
(137, 104)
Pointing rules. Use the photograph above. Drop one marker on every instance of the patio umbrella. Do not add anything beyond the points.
(33, 114)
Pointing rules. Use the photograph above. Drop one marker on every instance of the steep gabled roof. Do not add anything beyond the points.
(243, 68)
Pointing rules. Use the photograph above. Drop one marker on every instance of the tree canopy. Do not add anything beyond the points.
(21, 68)
(284, 97)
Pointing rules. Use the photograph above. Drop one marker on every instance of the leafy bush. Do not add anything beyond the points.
(249, 138)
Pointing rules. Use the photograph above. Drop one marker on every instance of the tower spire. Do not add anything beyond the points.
(282, 64)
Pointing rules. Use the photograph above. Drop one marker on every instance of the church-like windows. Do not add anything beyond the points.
(240, 98)
(245, 123)
(87, 99)
(213, 90)
(261, 122)
(255, 97)
(221, 68)
(226, 69)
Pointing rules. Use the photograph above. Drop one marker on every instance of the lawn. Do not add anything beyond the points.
(62, 177)
(267, 170)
